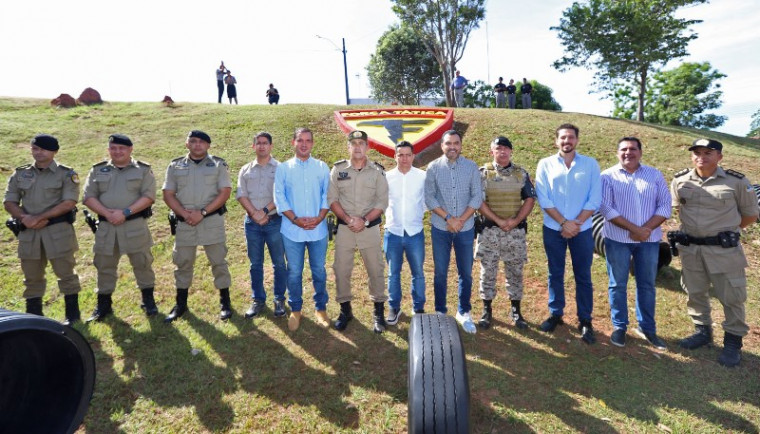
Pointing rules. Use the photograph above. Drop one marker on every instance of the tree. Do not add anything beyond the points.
(478, 93)
(402, 69)
(679, 96)
(444, 27)
(754, 127)
(624, 40)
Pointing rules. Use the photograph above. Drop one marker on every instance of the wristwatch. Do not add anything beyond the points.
(204, 212)
(127, 212)
(266, 210)
(366, 222)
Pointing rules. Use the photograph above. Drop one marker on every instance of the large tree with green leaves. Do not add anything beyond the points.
(444, 27)
(624, 40)
(754, 126)
(679, 96)
(402, 69)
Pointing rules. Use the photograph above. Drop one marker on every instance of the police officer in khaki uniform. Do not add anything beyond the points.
(41, 197)
(196, 188)
(121, 191)
(358, 195)
(509, 198)
(714, 204)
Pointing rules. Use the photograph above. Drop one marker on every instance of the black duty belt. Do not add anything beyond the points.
(221, 211)
(374, 222)
(147, 212)
(718, 240)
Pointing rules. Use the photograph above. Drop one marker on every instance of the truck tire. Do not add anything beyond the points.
(439, 391)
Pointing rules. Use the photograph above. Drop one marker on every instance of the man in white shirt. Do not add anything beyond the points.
(403, 230)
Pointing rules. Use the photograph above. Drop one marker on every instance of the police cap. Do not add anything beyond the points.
(46, 142)
(357, 134)
(198, 134)
(119, 139)
(707, 143)
(502, 141)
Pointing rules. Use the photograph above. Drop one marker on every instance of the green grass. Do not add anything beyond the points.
(256, 376)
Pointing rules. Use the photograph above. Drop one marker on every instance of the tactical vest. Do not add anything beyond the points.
(503, 192)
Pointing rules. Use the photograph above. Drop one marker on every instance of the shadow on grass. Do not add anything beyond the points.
(588, 387)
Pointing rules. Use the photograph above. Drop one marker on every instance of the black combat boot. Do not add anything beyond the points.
(732, 351)
(224, 303)
(517, 316)
(103, 309)
(180, 308)
(379, 325)
(148, 302)
(72, 309)
(344, 317)
(34, 306)
(702, 337)
(485, 319)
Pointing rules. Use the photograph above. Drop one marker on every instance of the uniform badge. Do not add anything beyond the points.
(74, 178)
(105, 169)
(182, 164)
(27, 174)
(210, 164)
(342, 176)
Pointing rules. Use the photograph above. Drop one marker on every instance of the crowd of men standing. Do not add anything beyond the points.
(287, 205)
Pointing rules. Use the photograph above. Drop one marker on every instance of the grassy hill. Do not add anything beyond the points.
(253, 376)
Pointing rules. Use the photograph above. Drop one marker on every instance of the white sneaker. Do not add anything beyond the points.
(466, 320)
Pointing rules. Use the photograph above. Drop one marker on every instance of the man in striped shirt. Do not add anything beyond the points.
(635, 202)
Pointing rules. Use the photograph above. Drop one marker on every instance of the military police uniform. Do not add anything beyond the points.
(711, 211)
(195, 186)
(358, 191)
(505, 190)
(37, 191)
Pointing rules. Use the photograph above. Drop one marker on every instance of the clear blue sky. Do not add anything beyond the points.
(141, 50)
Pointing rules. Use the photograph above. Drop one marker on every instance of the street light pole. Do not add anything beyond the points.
(345, 64)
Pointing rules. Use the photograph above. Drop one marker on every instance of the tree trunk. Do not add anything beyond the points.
(642, 94)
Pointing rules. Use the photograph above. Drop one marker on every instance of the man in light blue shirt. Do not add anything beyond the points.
(452, 194)
(458, 85)
(300, 194)
(569, 191)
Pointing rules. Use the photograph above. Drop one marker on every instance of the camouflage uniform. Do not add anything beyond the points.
(505, 188)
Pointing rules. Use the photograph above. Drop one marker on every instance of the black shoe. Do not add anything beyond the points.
(393, 316)
(225, 311)
(180, 308)
(551, 323)
(702, 337)
(72, 309)
(103, 309)
(345, 316)
(34, 306)
(731, 355)
(379, 318)
(517, 316)
(618, 338)
(652, 338)
(148, 302)
(486, 318)
(255, 309)
(587, 332)
(279, 308)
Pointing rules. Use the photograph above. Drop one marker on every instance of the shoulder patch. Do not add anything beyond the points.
(100, 164)
(733, 172)
(340, 162)
(682, 172)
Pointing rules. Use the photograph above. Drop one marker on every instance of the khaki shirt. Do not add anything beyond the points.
(358, 190)
(36, 191)
(118, 189)
(195, 186)
(256, 182)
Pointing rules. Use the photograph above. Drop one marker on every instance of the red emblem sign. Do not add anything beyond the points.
(386, 127)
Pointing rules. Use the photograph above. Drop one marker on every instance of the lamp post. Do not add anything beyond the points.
(345, 66)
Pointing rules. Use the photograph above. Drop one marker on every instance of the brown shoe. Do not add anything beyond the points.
(294, 321)
(322, 318)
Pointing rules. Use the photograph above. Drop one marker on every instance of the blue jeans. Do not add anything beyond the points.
(462, 242)
(294, 251)
(582, 254)
(645, 257)
(256, 236)
(414, 246)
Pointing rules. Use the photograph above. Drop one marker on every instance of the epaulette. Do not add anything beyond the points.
(100, 164)
(177, 159)
(67, 168)
(733, 172)
(24, 167)
(142, 163)
(682, 172)
(379, 165)
(340, 162)
(219, 160)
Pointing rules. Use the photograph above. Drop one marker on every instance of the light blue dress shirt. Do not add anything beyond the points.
(301, 186)
(569, 190)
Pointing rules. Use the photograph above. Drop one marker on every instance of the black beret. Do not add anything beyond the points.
(357, 134)
(119, 139)
(707, 143)
(502, 141)
(198, 134)
(46, 142)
